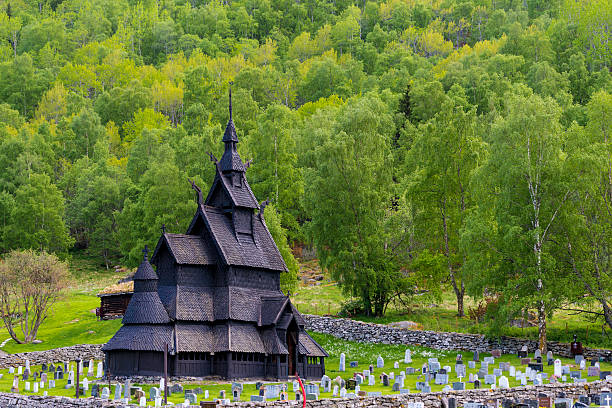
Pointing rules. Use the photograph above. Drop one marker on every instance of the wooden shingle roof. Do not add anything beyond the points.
(141, 337)
(257, 252)
(186, 249)
(145, 307)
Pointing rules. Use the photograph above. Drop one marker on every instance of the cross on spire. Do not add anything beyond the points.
(145, 251)
(163, 228)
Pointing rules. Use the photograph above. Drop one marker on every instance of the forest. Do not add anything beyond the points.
(418, 145)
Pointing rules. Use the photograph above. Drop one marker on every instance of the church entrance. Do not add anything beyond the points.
(291, 345)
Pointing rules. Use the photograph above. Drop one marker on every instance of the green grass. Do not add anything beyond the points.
(364, 353)
(327, 298)
(72, 320)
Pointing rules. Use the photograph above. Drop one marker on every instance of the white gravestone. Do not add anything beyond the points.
(407, 356)
(503, 382)
(558, 371)
(342, 362)
(90, 368)
(380, 363)
(35, 387)
(100, 370)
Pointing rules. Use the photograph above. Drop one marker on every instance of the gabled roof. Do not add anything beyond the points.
(259, 252)
(309, 347)
(272, 308)
(186, 249)
(241, 195)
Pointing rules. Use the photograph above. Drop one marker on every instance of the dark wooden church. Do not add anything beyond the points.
(215, 299)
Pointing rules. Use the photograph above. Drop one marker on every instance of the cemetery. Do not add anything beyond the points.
(355, 371)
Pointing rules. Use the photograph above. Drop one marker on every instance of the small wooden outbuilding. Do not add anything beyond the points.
(114, 300)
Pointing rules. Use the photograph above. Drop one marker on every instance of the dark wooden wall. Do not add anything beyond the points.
(113, 306)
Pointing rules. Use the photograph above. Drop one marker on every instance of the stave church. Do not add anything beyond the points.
(213, 298)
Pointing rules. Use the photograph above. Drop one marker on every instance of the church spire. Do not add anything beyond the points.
(231, 161)
(230, 130)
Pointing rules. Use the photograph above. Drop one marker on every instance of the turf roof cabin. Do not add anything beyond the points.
(215, 299)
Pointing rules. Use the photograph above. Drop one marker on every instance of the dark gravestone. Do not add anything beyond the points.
(51, 368)
(452, 403)
(604, 374)
(43, 367)
(563, 404)
(476, 384)
(536, 366)
(575, 347)
(95, 390)
(544, 401)
(531, 403)
(595, 399)
(476, 356)
(351, 383)
(353, 364)
(525, 361)
(258, 385)
(584, 399)
(385, 380)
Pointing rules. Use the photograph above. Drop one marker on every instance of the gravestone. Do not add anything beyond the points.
(380, 362)
(575, 374)
(578, 358)
(407, 356)
(496, 353)
(154, 393)
(426, 388)
(490, 379)
(593, 371)
(537, 354)
(476, 384)
(525, 361)
(126, 388)
(371, 380)
(503, 382)
(260, 398)
(471, 364)
(90, 368)
(353, 364)
(142, 402)
(512, 371)
(335, 391)
(563, 403)
(557, 369)
(544, 401)
(105, 393)
(395, 387)
(342, 367)
(100, 370)
(385, 380)
(459, 386)
(476, 356)
(409, 370)
(497, 372)
(460, 370)
(441, 379)
(95, 390)
(118, 390)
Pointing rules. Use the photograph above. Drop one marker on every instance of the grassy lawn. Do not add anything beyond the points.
(364, 353)
(327, 298)
(72, 319)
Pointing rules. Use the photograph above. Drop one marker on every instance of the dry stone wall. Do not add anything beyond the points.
(430, 400)
(71, 353)
(378, 333)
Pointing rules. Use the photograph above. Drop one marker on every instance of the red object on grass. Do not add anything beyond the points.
(301, 388)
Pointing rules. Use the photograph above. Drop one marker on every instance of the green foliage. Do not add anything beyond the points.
(391, 132)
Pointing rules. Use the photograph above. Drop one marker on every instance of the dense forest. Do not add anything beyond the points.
(416, 144)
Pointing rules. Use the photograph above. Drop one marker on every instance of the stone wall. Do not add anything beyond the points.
(435, 399)
(71, 353)
(430, 400)
(378, 333)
